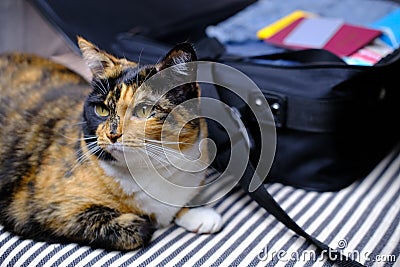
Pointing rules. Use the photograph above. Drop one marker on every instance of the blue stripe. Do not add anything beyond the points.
(208, 239)
(373, 204)
(50, 255)
(326, 221)
(10, 248)
(81, 257)
(274, 261)
(35, 254)
(354, 207)
(187, 243)
(173, 228)
(114, 258)
(65, 256)
(231, 219)
(20, 253)
(282, 232)
(245, 234)
(96, 259)
(227, 252)
(143, 251)
(240, 197)
(5, 240)
(161, 250)
(396, 251)
(140, 252)
(382, 243)
(261, 236)
(378, 222)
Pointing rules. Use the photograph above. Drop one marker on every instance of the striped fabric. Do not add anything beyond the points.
(361, 220)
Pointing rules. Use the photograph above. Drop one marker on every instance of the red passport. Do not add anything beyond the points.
(349, 39)
(346, 40)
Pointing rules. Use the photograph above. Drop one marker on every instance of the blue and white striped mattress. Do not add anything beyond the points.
(361, 220)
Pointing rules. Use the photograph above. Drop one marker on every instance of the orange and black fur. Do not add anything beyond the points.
(61, 168)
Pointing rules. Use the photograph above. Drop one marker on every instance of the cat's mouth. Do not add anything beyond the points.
(118, 150)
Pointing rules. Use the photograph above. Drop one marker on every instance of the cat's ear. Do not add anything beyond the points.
(177, 57)
(101, 64)
(176, 60)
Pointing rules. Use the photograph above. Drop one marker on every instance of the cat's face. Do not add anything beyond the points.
(124, 114)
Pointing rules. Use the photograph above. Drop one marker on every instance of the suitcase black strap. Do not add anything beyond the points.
(265, 200)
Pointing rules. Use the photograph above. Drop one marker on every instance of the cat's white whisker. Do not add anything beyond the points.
(166, 142)
(175, 153)
(81, 139)
(92, 149)
(162, 162)
(99, 85)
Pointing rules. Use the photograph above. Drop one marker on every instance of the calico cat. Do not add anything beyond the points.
(74, 158)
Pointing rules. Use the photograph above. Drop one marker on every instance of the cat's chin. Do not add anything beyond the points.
(126, 156)
(115, 148)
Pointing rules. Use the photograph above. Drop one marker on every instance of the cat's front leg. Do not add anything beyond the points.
(200, 220)
(106, 228)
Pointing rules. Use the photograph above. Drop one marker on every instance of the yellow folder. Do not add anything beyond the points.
(278, 25)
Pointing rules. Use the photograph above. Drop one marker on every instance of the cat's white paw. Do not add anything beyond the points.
(200, 220)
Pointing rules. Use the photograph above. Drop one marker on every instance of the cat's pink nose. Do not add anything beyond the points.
(114, 136)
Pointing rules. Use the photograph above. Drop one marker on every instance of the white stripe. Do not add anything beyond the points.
(28, 253)
(237, 206)
(73, 256)
(89, 257)
(163, 242)
(2, 237)
(257, 232)
(14, 251)
(279, 244)
(59, 254)
(148, 255)
(159, 245)
(339, 200)
(306, 255)
(322, 197)
(273, 187)
(106, 257)
(231, 238)
(377, 234)
(159, 232)
(383, 180)
(187, 249)
(392, 243)
(353, 198)
(176, 245)
(373, 214)
(397, 263)
(229, 225)
(42, 255)
(229, 200)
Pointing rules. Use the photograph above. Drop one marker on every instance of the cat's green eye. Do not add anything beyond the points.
(143, 111)
(101, 110)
